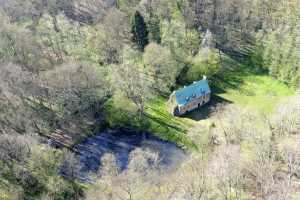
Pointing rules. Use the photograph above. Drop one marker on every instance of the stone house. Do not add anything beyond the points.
(189, 98)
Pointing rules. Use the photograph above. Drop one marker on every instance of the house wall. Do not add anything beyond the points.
(172, 105)
(194, 104)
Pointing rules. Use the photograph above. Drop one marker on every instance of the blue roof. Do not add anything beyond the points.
(188, 93)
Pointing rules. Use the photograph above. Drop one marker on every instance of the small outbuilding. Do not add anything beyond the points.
(190, 97)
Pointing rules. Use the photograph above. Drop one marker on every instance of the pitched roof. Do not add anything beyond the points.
(188, 93)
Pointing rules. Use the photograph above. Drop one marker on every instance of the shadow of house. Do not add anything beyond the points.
(208, 109)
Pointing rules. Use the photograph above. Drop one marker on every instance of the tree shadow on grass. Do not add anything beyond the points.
(234, 73)
(229, 81)
(208, 109)
(164, 123)
(166, 116)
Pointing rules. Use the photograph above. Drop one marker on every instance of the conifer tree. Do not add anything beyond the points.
(139, 31)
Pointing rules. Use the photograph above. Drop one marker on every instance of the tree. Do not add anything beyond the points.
(87, 11)
(226, 169)
(133, 183)
(263, 169)
(128, 6)
(140, 31)
(74, 88)
(136, 180)
(154, 29)
(286, 121)
(14, 149)
(70, 165)
(193, 178)
(206, 62)
(108, 39)
(109, 167)
(133, 83)
(160, 66)
(15, 86)
(281, 64)
(290, 153)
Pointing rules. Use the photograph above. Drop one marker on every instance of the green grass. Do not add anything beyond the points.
(249, 88)
(244, 87)
(157, 120)
(259, 92)
(165, 125)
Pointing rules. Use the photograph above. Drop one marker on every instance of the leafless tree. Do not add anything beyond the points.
(286, 120)
(133, 183)
(226, 169)
(290, 154)
(235, 123)
(15, 84)
(115, 33)
(160, 66)
(14, 148)
(109, 168)
(263, 169)
(133, 83)
(194, 179)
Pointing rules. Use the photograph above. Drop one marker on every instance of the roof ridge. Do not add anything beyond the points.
(196, 89)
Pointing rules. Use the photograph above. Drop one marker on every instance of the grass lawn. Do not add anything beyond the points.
(246, 87)
(243, 87)
(165, 125)
(157, 120)
(260, 92)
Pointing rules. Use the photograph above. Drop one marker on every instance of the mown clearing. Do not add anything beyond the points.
(240, 85)
(259, 93)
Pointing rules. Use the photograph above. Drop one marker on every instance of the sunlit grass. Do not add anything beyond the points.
(166, 125)
(239, 85)
(156, 120)
(259, 92)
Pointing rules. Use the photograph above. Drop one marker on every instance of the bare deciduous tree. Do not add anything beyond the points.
(287, 120)
(70, 165)
(226, 169)
(194, 179)
(161, 67)
(14, 148)
(133, 83)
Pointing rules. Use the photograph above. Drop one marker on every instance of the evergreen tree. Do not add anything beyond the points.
(139, 31)
(154, 29)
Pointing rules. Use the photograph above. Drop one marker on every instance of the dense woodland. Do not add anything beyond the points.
(82, 66)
